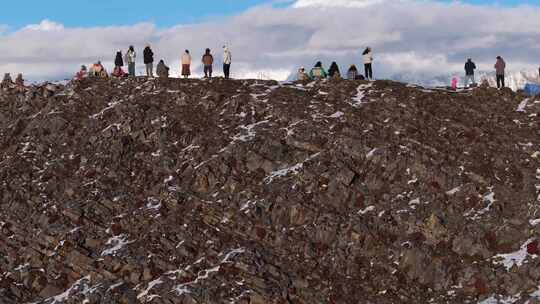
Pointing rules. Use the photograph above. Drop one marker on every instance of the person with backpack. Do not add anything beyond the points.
(118, 61)
(227, 60)
(130, 60)
(352, 73)
(318, 72)
(186, 63)
(207, 61)
(148, 57)
(469, 72)
(500, 66)
(162, 70)
(367, 58)
(333, 72)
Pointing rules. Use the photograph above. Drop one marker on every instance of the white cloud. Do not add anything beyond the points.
(421, 38)
(45, 25)
(335, 3)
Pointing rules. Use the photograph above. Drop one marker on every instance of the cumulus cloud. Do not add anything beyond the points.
(422, 39)
(45, 25)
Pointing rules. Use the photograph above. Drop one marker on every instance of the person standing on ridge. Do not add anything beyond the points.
(207, 61)
(333, 71)
(318, 71)
(118, 61)
(469, 72)
(500, 66)
(186, 63)
(227, 60)
(367, 57)
(130, 60)
(149, 60)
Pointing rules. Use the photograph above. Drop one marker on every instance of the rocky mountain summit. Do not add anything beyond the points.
(214, 191)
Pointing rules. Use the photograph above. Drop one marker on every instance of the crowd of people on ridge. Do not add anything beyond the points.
(318, 71)
(97, 70)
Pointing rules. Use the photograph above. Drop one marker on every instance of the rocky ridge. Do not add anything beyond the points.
(214, 191)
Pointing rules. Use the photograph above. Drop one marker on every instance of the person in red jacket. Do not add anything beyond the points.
(83, 73)
(119, 72)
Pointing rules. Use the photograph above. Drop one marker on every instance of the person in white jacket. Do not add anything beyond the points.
(186, 63)
(367, 57)
(227, 60)
(130, 60)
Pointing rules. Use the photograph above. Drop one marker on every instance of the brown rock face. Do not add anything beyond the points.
(188, 191)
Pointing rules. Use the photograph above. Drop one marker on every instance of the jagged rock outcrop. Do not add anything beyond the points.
(188, 191)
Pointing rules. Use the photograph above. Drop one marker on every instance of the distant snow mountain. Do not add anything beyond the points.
(513, 80)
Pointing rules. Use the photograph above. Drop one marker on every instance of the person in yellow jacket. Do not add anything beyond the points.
(186, 63)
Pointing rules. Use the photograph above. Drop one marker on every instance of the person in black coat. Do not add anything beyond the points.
(334, 71)
(118, 61)
(469, 72)
(148, 60)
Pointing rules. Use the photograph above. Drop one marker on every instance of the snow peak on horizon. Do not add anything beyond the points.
(514, 80)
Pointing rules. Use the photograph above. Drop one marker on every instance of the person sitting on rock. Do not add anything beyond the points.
(302, 75)
(318, 71)
(83, 73)
(119, 72)
(352, 73)
(7, 82)
(19, 81)
(97, 70)
(333, 72)
(162, 70)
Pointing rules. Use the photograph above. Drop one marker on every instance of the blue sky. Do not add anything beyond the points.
(114, 12)
(85, 13)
